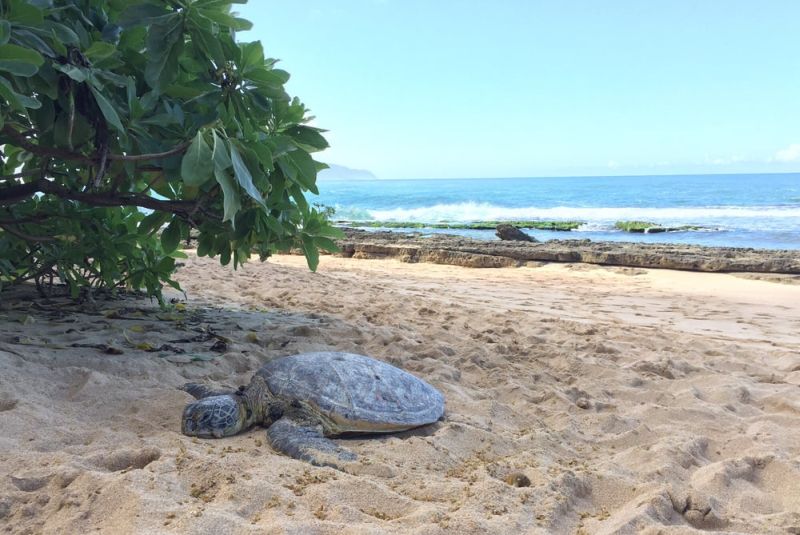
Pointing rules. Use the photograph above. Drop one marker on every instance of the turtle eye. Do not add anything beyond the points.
(249, 413)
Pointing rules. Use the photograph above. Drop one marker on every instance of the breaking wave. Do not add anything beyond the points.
(474, 212)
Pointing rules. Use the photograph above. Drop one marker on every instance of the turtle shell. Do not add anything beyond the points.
(357, 394)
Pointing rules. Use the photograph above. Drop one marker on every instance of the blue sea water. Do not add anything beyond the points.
(755, 210)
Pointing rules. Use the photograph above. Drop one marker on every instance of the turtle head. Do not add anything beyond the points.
(217, 417)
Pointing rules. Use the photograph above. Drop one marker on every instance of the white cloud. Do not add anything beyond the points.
(789, 154)
(730, 160)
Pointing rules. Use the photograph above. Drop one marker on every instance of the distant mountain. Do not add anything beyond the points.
(340, 172)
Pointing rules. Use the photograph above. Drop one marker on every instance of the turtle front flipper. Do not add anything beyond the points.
(306, 442)
(202, 391)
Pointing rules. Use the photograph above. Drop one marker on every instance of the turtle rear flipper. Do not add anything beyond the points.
(200, 391)
(306, 443)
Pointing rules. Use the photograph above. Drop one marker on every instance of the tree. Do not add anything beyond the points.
(123, 125)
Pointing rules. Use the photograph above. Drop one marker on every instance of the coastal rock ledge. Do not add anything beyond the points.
(459, 251)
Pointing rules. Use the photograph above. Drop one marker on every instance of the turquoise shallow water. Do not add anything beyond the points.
(757, 210)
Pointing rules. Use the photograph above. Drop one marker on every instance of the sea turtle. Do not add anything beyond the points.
(305, 398)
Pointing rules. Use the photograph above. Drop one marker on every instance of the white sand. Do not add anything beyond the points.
(634, 401)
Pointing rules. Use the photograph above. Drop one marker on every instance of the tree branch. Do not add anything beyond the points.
(19, 192)
(21, 174)
(22, 220)
(20, 140)
(154, 156)
(121, 199)
(24, 236)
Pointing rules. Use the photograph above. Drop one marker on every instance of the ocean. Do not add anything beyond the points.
(754, 210)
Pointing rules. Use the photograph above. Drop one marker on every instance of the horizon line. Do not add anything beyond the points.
(567, 176)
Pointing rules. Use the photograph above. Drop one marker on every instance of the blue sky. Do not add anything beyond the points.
(462, 88)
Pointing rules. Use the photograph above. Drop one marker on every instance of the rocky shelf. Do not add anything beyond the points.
(456, 250)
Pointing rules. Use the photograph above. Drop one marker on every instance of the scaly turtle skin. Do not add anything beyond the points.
(304, 399)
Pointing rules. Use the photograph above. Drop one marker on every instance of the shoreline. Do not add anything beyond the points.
(468, 252)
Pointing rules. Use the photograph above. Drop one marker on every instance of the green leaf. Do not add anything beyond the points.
(243, 176)
(164, 45)
(116, 79)
(279, 144)
(217, 3)
(252, 56)
(231, 203)
(263, 154)
(197, 165)
(58, 48)
(327, 244)
(273, 224)
(190, 93)
(5, 31)
(168, 262)
(140, 14)
(225, 19)
(9, 52)
(22, 12)
(311, 252)
(330, 232)
(27, 37)
(300, 168)
(204, 244)
(161, 119)
(10, 96)
(283, 75)
(152, 222)
(18, 68)
(100, 50)
(79, 74)
(221, 159)
(269, 85)
(299, 198)
(45, 83)
(107, 109)
(207, 43)
(309, 137)
(62, 33)
(134, 108)
(17, 101)
(171, 236)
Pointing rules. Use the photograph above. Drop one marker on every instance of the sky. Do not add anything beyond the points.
(518, 88)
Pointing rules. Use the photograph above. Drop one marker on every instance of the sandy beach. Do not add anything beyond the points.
(633, 400)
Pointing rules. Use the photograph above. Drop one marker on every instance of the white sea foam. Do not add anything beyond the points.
(472, 211)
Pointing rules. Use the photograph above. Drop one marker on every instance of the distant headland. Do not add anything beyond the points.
(340, 172)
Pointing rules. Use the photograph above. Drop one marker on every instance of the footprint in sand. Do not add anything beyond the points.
(7, 402)
(30, 484)
(77, 378)
(126, 459)
(367, 498)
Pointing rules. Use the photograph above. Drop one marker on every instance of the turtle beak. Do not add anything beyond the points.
(188, 426)
(190, 422)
